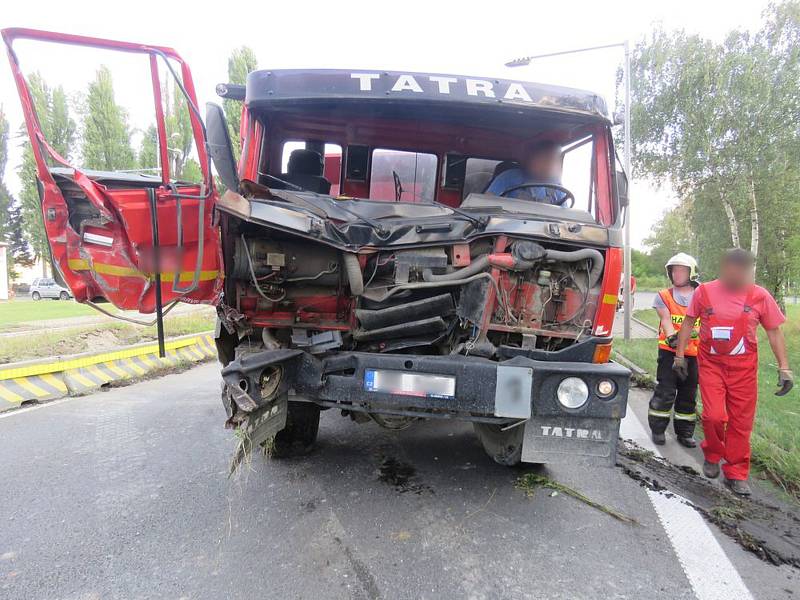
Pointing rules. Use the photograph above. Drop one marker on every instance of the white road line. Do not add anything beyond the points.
(21, 411)
(708, 568)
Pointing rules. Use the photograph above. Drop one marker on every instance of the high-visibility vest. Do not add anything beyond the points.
(678, 314)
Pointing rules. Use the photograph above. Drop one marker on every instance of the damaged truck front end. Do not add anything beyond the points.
(383, 281)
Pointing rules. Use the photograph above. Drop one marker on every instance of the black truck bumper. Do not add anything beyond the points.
(505, 392)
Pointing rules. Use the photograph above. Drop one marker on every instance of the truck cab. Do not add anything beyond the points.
(359, 264)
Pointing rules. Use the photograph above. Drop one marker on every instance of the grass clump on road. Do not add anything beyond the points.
(776, 436)
(530, 482)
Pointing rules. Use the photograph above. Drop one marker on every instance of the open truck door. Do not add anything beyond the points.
(140, 241)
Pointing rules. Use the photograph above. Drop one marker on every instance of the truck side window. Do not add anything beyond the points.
(577, 174)
(332, 157)
(409, 175)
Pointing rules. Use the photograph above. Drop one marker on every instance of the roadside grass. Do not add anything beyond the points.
(98, 336)
(776, 435)
(647, 315)
(20, 311)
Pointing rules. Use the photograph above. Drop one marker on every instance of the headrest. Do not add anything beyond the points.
(305, 162)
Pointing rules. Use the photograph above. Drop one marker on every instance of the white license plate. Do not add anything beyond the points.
(403, 383)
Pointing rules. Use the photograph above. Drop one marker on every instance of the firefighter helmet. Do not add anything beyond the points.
(683, 260)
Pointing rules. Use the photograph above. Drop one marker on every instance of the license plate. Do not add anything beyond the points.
(403, 383)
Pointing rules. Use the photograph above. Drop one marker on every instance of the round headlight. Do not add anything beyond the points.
(572, 392)
(606, 388)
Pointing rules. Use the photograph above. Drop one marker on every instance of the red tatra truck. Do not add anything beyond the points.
(357, 262)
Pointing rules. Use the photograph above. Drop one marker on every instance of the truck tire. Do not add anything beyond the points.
(300, 434)
(504, 447)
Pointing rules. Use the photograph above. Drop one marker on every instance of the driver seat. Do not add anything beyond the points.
(305, 169)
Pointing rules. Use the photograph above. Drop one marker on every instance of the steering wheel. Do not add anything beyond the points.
(567, 194)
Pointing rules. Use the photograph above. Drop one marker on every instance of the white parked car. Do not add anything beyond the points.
(46, 287)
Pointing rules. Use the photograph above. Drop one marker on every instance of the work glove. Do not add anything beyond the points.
(785, 381)
(672, 341)
(680, 368)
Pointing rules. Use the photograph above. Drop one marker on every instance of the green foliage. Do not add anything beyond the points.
(180, 138)
(717, 122)
(148, 149)
(106, 136)
(240, 63)
(59, 130)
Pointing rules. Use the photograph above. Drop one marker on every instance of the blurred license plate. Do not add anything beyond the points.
(403, 383)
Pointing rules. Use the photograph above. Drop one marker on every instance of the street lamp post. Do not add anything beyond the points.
(626, 284)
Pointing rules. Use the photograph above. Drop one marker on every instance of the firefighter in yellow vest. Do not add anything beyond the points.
(672, 397)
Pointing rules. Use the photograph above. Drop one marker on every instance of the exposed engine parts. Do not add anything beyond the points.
(471, 298)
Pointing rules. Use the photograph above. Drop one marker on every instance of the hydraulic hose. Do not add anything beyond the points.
(354, 276)
(596, 271)
(517, 263)
(476, 266)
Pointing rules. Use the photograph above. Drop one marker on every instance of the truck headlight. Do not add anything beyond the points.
(572, 392)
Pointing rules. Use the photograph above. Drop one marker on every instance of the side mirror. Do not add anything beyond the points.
(219, 146)
(621, 180)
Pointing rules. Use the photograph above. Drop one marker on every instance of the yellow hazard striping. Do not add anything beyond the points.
(97, 372)
(84, 361)
(609, 298)
(10, 396)
(196, 351)
(53, 381)
(31, 387)
(112, 366)
(80, 264)
(130, 364)
(91, 368)
(145, 358)
(84, 381)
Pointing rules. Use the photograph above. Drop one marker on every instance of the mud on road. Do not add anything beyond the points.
(764, 526)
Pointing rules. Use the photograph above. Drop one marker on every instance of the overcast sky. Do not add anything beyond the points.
(470, 38)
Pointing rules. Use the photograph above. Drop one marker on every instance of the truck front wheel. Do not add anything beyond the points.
(300, 433)
(504, 447)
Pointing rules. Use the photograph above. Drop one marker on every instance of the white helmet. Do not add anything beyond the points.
(683, 260)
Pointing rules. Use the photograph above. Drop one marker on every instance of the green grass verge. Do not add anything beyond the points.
(776, 436)
(647, 315)
(111, 335)
(21, 311)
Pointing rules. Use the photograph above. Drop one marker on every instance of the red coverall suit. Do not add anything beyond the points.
(728, 369)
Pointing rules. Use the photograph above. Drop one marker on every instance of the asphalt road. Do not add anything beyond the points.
(125, 494)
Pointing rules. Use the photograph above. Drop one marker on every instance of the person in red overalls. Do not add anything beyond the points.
(730, 309)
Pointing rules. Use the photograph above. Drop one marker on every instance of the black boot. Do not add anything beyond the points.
(687, 442)
(659, 439)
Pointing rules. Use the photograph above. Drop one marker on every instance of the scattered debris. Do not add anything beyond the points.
(761, 526)
(401, 476)
(529, 483)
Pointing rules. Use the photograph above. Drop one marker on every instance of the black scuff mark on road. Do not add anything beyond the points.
(766, 529)
(365, 578)
(401, 476)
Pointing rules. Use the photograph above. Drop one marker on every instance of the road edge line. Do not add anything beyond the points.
(707, 567)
